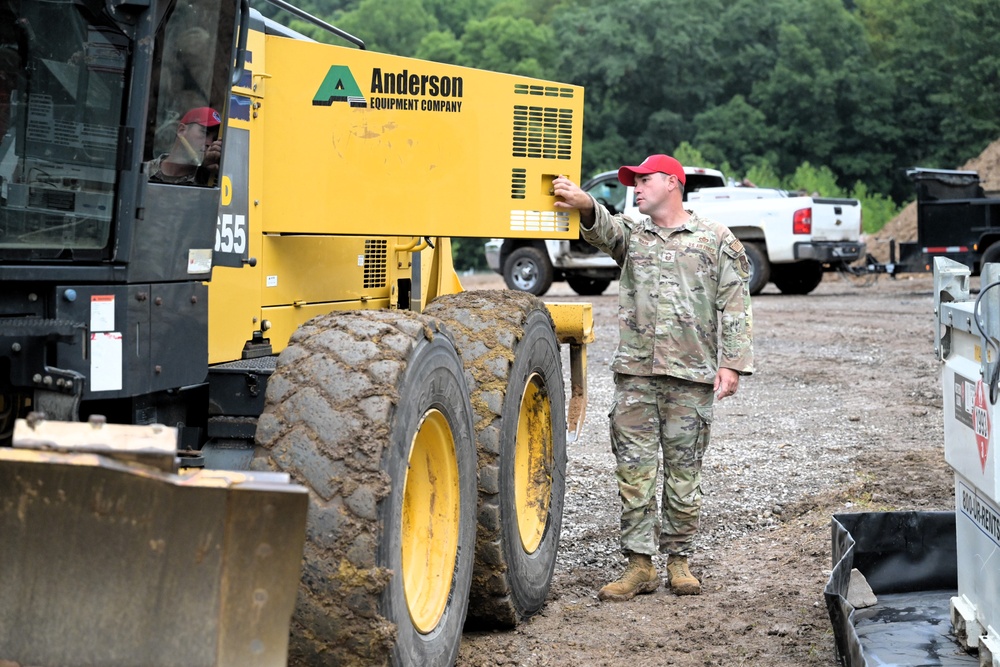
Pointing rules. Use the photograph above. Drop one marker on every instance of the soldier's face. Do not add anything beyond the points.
(651, 191)
(198, 136)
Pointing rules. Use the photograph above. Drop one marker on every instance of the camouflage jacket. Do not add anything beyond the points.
(198, 176)
(678, 287)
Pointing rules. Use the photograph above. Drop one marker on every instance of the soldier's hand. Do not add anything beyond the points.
(726, 382)
(569, 195)
(213, 155)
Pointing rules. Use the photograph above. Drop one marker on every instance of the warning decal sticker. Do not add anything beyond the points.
(965, 396)
(972, 409)
(981, 422)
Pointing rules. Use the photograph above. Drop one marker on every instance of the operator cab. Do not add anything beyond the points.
(103, 262)
(80, 99)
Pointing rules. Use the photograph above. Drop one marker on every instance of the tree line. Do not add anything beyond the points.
(835, 96)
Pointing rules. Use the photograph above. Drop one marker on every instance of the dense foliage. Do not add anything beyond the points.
(833, 95)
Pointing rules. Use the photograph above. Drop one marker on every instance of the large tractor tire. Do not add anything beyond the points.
(370, 410)
(514, 372)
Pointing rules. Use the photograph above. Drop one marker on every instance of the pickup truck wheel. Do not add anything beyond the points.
(527, 269)
(514, 372)
(760, 267)
(371, 411)
(798, 278)
(588, 286)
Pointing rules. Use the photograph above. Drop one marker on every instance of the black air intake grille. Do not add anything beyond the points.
(518, 183)
(542, 91)
(375, 258)
(543, 132)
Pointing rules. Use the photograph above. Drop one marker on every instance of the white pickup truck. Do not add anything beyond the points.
(790, 240)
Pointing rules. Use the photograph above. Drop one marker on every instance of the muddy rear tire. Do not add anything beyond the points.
(370, 410)
(514, 372)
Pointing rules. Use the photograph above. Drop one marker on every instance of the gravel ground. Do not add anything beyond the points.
(843, 414)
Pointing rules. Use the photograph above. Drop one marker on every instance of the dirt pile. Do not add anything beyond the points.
(901, 228)
(904, 226)
(988, 166)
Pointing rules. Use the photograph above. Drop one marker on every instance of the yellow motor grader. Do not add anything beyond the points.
(225, 260)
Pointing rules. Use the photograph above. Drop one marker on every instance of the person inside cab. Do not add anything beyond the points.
(194, 157)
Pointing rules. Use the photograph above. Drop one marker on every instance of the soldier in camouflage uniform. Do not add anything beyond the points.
(194, 157)
(685, 339)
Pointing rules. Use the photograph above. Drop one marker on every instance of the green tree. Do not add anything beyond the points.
(648, 66)
(469, 254)
(506, 44)
(762, 174)
(396, 27)
(877, 209)
(609, 151)
(807, 97)
(747, 43)
(320, 8)
(538, 11)
(734, 131)
(454, 14)
(440, 46)
(944, 63)
(688, 155)
(818, 181)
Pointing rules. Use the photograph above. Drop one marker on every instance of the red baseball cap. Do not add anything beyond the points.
(206, 116)
(662, 164)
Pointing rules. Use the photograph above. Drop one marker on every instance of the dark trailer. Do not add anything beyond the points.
(955, 219)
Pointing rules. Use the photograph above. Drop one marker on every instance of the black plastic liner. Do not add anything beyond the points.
(910, 562)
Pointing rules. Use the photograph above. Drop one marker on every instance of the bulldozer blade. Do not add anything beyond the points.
(113, 562)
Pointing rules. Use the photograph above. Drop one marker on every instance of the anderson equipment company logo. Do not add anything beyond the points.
(403, 90)
(339, 86)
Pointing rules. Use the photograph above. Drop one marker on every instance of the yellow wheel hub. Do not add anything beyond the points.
(533, 464)
(430, 521)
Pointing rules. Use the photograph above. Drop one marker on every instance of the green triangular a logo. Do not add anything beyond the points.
(339, 86)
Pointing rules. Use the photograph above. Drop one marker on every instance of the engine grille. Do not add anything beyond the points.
(375, 261)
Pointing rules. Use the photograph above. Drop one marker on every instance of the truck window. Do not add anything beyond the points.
(695, 182)
(610, 193)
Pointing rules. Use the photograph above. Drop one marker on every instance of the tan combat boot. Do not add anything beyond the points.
(639, 577)
(682, 582)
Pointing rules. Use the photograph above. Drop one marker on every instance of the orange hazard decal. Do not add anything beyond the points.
(981, 423)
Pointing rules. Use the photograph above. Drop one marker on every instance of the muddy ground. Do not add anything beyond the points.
(843, 415)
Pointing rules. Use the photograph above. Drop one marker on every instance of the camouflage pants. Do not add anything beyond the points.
(650, 414)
